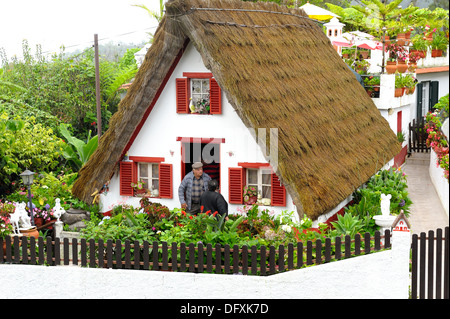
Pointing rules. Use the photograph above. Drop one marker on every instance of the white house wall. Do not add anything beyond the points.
(158, 138)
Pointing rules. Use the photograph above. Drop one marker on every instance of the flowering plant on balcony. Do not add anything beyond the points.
(414, 57)
(396, 52)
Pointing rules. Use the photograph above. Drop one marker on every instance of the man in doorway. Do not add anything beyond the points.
(192, 188)
(213, 201)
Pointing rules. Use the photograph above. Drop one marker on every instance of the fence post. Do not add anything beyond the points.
(401, 245)
(58, 227)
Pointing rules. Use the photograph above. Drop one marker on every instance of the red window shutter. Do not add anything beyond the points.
(165, 181)
(215, 97)
(182, 95)
(278, 192)
(236, 185)
(127, 173)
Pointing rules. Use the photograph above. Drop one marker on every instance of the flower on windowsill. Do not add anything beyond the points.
(201, 106)
(138, 186)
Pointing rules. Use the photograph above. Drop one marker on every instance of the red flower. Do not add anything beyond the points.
(190, 217)
(208, 212)
(215, 213)
(201, 208)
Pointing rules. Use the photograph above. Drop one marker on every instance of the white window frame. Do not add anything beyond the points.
(260, 184)
(204, 91)
(150, 174)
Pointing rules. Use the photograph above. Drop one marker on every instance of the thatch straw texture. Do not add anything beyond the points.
(278, 70)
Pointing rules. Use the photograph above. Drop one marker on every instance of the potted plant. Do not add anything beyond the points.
(373, 82)
(419, 45)
(413, 58)
(6, 229)
(399, 85)
(409, 82)
(250, 195)
(346, 53)
(438, 44)
(361, 67)
(139, 187)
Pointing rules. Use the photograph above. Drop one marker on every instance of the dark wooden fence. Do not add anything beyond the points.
(190, 258)
(430, 265)
(417, 136)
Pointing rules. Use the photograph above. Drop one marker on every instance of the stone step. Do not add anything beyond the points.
(418, 159)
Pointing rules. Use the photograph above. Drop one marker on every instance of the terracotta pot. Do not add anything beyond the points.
(251, 201)
(423, 54)
(436, 53)
(369, 92)
(391, 67)
(398, 92)
(402, 66)
(401, 39)
(420, 54)
(411, 90)
(408, 35)
(364, 54)
(33, 232)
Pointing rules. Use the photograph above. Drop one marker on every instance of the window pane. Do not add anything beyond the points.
(196, 86)
(155, 170)
(143, 170)
(252, 176)
(145, 182)
(155, 184)
(266, 179)
(205, 86)
(265, 192)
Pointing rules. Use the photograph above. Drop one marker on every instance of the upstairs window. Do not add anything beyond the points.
(199, 100)
(198, 93)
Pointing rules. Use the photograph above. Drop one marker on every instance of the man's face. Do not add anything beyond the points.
(198, 172)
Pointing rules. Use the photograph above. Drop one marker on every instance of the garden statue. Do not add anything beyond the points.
(20, 215)
(58, 210)
(14, 220)
(385, 203)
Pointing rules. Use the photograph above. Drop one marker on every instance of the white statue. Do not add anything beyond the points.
(14, 220)
(21, 217)
(58, 210)
(385, 202)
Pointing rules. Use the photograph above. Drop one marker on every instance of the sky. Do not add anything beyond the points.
(52, 23)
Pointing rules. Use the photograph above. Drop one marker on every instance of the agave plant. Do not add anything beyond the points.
(348, 224)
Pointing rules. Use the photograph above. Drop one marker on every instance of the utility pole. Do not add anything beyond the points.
(97, 88)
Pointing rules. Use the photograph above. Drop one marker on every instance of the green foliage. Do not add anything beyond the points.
(49, 186)
(64, 86)
(26, 144)
(348, 225)
(75, 150)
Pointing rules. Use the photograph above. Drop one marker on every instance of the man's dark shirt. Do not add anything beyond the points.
(213, 201)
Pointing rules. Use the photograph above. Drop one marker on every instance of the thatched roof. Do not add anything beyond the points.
(278, 69)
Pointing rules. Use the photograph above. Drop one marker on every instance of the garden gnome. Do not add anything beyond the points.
(385, 203)
(58, 210)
